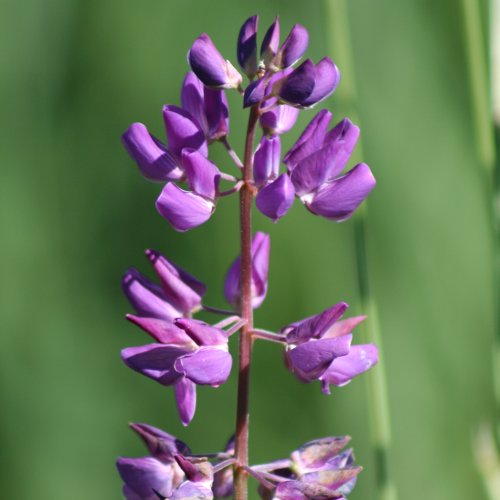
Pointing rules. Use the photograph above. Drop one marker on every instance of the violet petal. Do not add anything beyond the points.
(190, 490)
(294, 46)
(327, 77)
(180, 288)
(203, 176)
(202, 333)
(183, 209)
(276, 198)
(142, 476)
(338, 200)
(154, 160)
(147, 298)
(254, 93)
(266, 163)
(217, 113)
(343, 326)
(155, 361)
(164, 332)
(183, 131)
(185, 398)
(279, 119)
(247, 46)
(270, 43)
(310, 140)
(298, 85)
(206, 366)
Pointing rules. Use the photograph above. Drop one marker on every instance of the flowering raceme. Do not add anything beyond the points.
(187, 352)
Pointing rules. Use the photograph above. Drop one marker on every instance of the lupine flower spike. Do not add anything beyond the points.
(186, 352)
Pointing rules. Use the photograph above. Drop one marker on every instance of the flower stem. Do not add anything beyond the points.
(246, 313)
(337, 15)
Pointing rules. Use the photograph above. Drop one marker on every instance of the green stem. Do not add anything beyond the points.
(338, 19)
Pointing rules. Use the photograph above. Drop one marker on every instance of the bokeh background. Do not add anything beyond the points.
(75, 214)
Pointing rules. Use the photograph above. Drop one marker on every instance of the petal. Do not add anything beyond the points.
(326, 80)
(193, 99)
(145, 475)
(332, 479)
(317, 453)
(217, 113)
(185, 398)
(147, 298)
(182, 131)
(279, 120)
(297, 490)
(164, 332)
(266, 163)
(260, 265)
(190, 490)
(310, 360)
(206, 366)
(255, 92)
(343, 327)
(160, 444)
(298, 85)
(294, 47)
(154, 160)
(203, 176)
(208, 64)
(202, 333)
(310, 140)
(180, 288)
(184, 210)
(345, 134)
(276, 198)
(270, 42)
(315, 326)
(155, 361)
(247, 46)
(342, 370)
(339, 199)
(261, 247)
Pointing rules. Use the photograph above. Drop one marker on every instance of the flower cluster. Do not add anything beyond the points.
(277, 92)
(318, 469)
(187, 352)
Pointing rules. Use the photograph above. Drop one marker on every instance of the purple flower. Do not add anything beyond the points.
(159, 162)
(146, 476)
(293, 48)
(308, 84)
(270, 43)
(188, 209)
(276, 198)
(266, 165)
(179, 294)
(247, 46)
(210, 67)
(317, 470)
(319, 348)
(208, 107)
(315, 162)
(190, 352)
(261, 245)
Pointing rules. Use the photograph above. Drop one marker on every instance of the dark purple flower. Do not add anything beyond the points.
(254, 93)
(145, 476)
(308, 84)
(208, 107)
(315, 162)
(210, 67)
(196, 353)
(261, 245)
(188, 209)
(247, 46)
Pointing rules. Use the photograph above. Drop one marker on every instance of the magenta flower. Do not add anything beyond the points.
(261, 246)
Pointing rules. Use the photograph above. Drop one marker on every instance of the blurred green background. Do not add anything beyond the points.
(75, 214)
